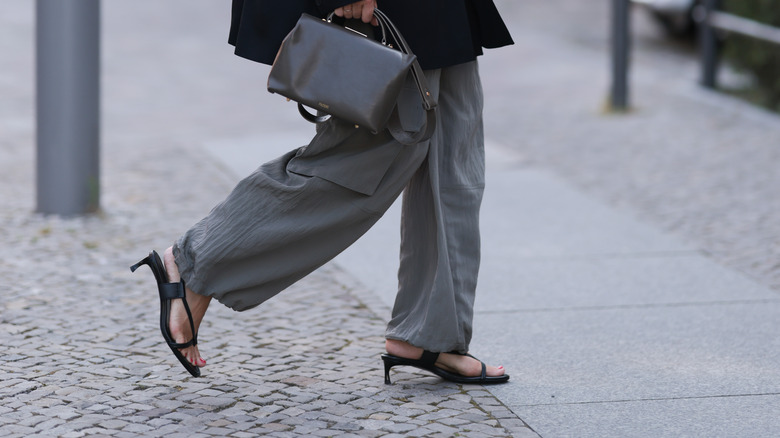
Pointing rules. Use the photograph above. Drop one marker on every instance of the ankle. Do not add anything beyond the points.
(170, 265)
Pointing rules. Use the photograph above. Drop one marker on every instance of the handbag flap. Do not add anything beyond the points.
(335, 70)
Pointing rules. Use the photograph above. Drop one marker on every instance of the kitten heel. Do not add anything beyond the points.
(145, 261)
(389, 362)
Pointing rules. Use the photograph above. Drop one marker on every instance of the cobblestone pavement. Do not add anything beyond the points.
(83, 354)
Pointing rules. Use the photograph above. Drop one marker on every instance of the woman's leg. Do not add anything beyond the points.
(288, 218)
(440, 244)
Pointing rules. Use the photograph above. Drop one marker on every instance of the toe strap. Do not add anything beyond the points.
(483, 375)
(182, 345)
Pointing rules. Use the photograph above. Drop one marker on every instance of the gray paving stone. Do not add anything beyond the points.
(32, 420)
(97, 431)
(731, 416)
(217, 402)
(454, 421)
(600, 358)
(455, 405)
(137, 428)
(113, 424)
(399, 427)
(277, 426)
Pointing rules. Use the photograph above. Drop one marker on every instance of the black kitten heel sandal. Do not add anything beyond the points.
(168, 292)
(427, 363)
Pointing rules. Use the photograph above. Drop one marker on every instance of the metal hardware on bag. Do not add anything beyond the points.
(329, 19)
(359, 33)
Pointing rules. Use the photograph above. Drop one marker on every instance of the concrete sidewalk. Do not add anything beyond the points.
(612, 326)
(610, 288)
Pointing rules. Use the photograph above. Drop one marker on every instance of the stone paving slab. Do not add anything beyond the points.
(594, 282)
(694, 417)
(640, 353)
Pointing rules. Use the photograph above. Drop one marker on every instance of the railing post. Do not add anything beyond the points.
(708, 45)
(621, 46)
(68, 106)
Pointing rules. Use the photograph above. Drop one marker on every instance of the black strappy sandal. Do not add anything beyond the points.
(427, 362)
(170, 291)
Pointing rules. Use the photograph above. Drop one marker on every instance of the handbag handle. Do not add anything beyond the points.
(428, 101)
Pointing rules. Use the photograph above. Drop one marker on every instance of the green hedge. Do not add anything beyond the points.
(760, 58)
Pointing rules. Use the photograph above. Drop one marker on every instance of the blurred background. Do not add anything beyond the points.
(172, 76)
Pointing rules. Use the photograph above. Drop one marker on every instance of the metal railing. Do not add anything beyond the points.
(711, 20)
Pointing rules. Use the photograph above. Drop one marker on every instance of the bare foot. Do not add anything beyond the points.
(455, 363)
(179, 323)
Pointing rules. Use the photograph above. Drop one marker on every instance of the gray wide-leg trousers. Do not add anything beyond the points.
(299, 211)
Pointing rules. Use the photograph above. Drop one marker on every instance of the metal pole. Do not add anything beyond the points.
(621, 44)
(68, 106)
(708, 46)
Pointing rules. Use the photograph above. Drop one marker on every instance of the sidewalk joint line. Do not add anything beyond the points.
(767, 394)
(615, 255)
(629, 306)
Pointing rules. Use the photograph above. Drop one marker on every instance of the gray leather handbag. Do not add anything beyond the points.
(342, 73)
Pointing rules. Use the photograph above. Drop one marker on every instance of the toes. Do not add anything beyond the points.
(495, 371)
(193, 357)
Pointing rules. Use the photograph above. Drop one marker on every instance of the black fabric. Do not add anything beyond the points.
(441, 33)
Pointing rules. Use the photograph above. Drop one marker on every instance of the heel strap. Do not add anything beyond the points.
(171, 291)
(428, 358)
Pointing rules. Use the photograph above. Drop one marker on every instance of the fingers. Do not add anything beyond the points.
(349, 11)
(367, 14)
(362, 10)
(355, 10)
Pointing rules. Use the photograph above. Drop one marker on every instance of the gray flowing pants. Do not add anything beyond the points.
(299, 211)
